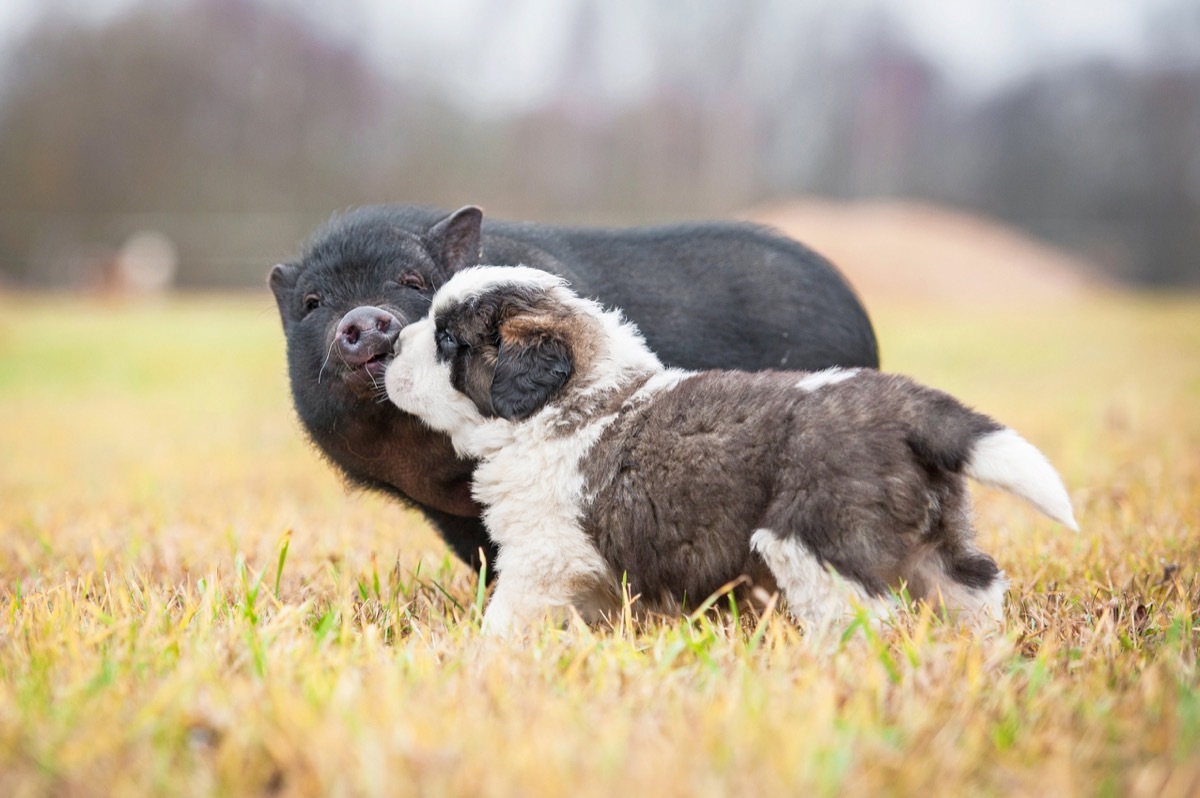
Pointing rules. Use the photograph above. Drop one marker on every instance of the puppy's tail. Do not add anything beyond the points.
(946, 435)
(1003, 459)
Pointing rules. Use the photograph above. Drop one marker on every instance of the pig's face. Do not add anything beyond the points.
(361, 281)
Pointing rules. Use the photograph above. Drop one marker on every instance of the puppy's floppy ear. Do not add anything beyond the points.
(455, 239)
(530, 367)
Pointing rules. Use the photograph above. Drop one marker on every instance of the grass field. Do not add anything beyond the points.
(190, 603)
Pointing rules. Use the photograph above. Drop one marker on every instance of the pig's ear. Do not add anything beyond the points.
(455, 240)
(282, 280)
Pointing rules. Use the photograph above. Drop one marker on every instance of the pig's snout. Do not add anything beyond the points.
(366, 333)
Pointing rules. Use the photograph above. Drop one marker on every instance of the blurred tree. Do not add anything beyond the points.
(208, 121)
(235, 126)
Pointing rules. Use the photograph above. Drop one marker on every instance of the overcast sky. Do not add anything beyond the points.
(982, 45)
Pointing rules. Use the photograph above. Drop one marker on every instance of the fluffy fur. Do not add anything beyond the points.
(836, 487)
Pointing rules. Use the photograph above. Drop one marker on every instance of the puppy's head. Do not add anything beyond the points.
(499, 342)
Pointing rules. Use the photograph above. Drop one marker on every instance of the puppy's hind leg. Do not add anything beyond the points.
(964, 584)
(978, 606)
(953, 574)
(817, 596)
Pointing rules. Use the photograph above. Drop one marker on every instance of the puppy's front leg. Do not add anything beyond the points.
(528, 596)
(517, 603)
(544, 568)
(498, 618)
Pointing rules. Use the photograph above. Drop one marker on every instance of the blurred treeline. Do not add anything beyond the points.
(234, 127)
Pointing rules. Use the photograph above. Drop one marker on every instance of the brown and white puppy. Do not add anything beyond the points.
(838, 486)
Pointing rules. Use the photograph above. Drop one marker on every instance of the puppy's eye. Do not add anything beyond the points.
(447, 344)
(311, 302)
(413, 280)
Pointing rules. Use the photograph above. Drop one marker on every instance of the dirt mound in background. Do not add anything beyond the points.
(911, 250)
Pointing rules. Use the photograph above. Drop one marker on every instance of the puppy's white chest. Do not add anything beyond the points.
(534, 487)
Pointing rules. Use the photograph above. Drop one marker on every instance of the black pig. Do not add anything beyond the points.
(706, 296)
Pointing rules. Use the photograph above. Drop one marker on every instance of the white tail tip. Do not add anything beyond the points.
(1003, 459)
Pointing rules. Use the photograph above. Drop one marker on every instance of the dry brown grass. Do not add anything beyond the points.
(192, 605)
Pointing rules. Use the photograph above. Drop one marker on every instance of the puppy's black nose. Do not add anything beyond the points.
(366, 333)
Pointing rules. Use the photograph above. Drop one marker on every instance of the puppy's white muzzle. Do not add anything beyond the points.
(400, 378)
(419, 383)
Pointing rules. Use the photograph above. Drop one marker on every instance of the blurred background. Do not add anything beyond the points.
(194, 143)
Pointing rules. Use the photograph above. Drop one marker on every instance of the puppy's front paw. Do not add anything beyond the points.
(497, 620)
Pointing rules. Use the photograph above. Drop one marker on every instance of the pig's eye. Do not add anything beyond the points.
(413, 280)
(311, 302)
